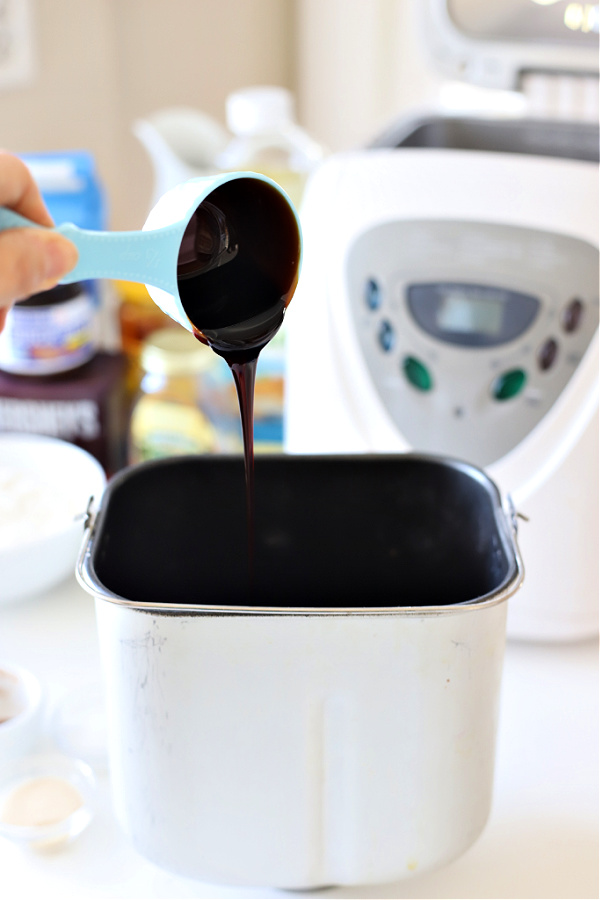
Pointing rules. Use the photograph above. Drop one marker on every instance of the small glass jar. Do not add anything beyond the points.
(184, 405)
(50, 332)
(139, 317)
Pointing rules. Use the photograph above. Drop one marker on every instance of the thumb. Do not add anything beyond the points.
(32, 260)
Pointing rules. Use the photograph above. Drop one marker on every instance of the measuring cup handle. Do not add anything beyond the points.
(11, 219)
(149, 257)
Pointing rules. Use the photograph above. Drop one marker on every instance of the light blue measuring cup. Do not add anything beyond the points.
(170, 245)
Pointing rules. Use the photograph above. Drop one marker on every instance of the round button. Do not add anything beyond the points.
(572, 315)
(509, 384)
(417, 373)
(547, 354)
(372, 294)
(386, 336)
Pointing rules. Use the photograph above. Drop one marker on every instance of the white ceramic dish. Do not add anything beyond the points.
(55, 790)
(21, 705)
(45, 488)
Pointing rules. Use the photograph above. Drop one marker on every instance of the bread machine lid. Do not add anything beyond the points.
(495, 43)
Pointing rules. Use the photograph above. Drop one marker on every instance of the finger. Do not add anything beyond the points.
(19, 191)
(31, 261)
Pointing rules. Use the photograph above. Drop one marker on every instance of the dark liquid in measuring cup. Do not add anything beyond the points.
(237, 272)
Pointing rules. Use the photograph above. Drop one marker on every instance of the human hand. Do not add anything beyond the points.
(31, 259)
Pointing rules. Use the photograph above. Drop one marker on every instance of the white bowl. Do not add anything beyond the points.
(45, 488)
(21, 709)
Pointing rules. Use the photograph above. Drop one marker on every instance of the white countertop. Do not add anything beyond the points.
(541, 840)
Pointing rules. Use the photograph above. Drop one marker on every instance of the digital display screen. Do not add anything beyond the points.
(471, 315)
(466, 313)
(533, 21)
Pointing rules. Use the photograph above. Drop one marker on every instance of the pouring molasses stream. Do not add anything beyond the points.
(221, 256)
(237, 271)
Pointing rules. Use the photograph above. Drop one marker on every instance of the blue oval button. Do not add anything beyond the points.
(372, 294)
(386, 336)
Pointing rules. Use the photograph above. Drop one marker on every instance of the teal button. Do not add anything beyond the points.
(509, 384)
(417, 373)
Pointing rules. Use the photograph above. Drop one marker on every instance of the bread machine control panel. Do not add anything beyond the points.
(470, 330)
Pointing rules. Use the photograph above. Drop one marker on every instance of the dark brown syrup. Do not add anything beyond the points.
(237, 271)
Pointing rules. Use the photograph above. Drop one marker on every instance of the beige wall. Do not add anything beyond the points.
(103, 63)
